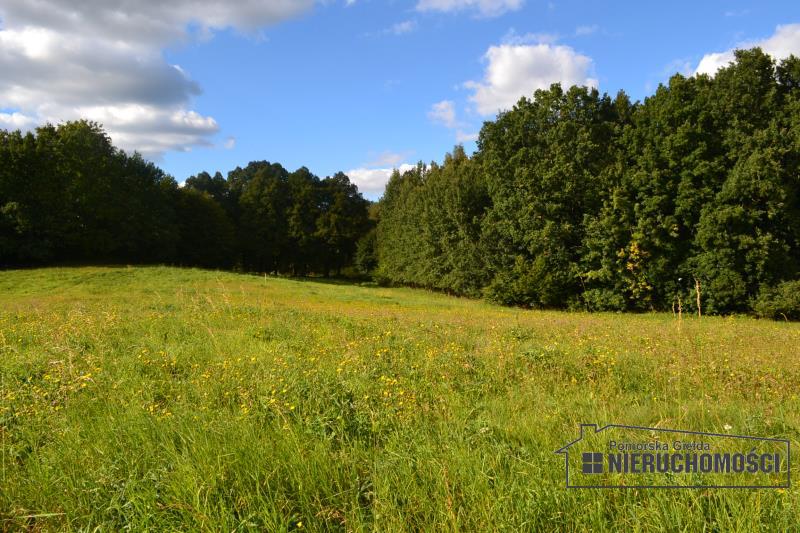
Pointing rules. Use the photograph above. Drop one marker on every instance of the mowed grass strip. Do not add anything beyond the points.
(168, 399)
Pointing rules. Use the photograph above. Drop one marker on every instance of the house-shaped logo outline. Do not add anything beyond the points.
(584, 428)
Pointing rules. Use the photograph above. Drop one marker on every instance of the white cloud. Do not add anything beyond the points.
(464, 137)
(150, 21)
(784, 42)
(388, 159)
(16, 121)
(401, 28)
(711, 63)
(586, 30)
(512, 37)
(372, 181)
(102, 60)
(485, 8)
(444, 113)
(737, 13)
(150, 129)
(230, 143)
(681, 66)
(371, 178)
(514, 71)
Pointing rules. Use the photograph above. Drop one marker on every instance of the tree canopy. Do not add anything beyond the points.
(68, 195)
(573, 199)
(577, 200)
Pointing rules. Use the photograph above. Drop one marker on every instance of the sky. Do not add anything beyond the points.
(360, 86)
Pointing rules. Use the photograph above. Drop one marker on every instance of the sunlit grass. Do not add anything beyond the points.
(162, 399)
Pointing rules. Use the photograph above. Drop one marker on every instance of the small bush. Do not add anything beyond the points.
(603, 300)
(782, 301)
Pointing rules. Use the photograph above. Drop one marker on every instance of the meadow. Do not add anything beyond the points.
(167, 399)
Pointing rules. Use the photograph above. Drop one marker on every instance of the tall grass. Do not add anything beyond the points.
(165, 399)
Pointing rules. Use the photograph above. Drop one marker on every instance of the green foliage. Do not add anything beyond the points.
(429, 232)
(206, 232)
(366, 259)
(545, 162)
(263, 222)
(68, 195)
(575, 200)
(780, 302)
(342, 221)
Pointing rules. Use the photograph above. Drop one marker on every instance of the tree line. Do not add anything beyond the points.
(67, 195)
(688, 200)
(578, 200)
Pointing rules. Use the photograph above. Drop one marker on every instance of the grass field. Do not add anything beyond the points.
(164, 399)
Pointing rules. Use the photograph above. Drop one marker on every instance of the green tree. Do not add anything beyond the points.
(545, 162)
(206, 232)
(342, 222)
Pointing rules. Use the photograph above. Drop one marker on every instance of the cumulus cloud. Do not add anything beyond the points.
(485, 8)
(781, 44)
(372, 177)
(514, 71)
(372, 181)
(102, 60)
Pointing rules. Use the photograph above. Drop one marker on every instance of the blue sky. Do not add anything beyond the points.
(340, 85)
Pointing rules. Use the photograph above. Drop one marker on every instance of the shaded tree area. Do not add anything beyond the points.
(578, 200)
(67, 195)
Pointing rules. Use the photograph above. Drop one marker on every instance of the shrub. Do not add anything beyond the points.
(603, 300)
(782, 301)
